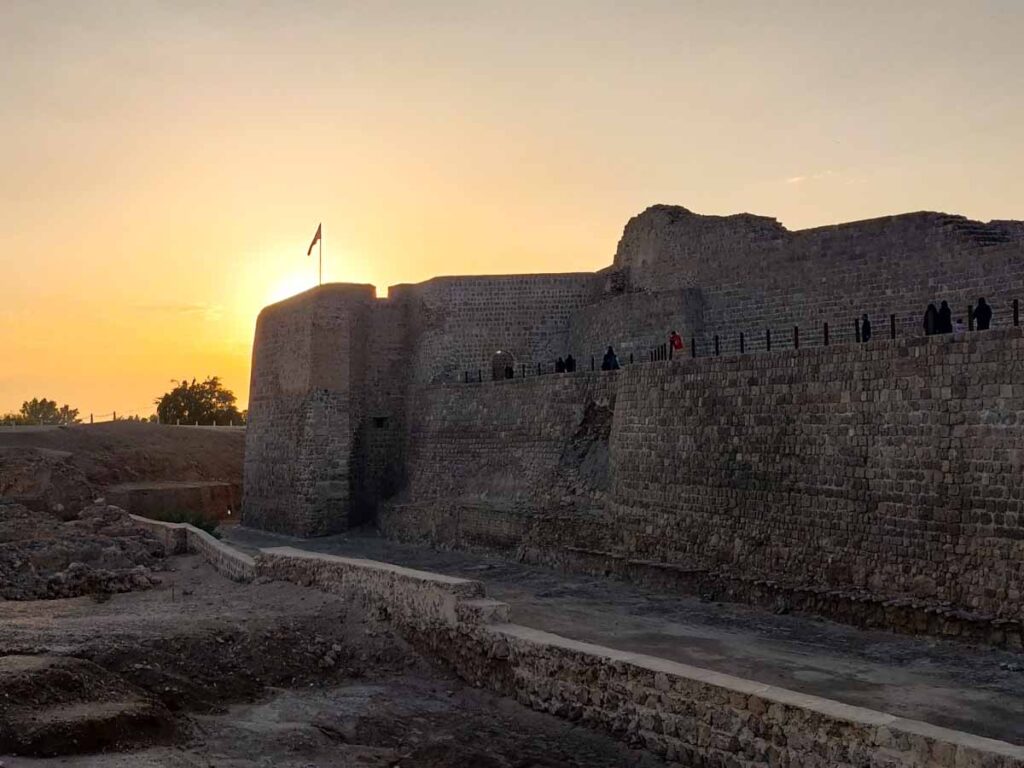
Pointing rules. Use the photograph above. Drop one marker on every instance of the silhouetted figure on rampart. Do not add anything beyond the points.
(509, 372)
(945, 318)
(931, 321)
(559, 365)
(982, 315)
(570, 364)
(865, 329)
(610, 361)
(676, 342)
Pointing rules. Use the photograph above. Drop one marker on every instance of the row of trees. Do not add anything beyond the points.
(42, 411)
(204, 402)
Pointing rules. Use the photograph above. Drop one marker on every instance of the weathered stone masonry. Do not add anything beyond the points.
(691, 716)
(890, 470)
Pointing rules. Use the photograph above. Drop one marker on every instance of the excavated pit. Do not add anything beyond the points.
(198, 670)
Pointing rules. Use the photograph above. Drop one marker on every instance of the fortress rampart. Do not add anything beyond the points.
(892, 468)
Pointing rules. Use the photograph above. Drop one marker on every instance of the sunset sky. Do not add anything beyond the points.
(165, 164)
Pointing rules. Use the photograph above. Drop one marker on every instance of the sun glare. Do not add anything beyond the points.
(289, 285)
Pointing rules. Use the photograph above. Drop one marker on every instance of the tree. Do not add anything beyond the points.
(43, 411)
(206, 403)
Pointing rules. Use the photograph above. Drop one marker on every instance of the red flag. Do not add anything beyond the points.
(316, 239)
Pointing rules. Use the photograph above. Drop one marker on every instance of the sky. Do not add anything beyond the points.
(164, 165)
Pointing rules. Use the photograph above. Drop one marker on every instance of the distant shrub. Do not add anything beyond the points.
(190, 516)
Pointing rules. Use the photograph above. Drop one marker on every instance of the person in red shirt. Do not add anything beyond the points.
(676, 341)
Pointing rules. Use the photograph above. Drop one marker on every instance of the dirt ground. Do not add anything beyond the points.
(67, 467)
(255, 675)
(969, 688)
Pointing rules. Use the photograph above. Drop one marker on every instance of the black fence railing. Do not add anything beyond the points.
(716, 343)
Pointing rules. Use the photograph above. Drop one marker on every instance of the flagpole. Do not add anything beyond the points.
(320, 253)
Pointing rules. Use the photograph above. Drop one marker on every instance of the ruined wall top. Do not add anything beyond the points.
(668, 246)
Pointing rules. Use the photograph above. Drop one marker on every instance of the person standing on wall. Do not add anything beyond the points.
(982, 315)
(945, 319)
(676, 342)
(610, 361)
(570, 364)
(559, 365)
(931, 321)
(865, 329)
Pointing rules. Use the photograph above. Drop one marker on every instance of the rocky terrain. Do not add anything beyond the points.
(114, 654)
(201, 671)
(99, 553)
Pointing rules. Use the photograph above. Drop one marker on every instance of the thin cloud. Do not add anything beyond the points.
(811, 177)
(206, 311)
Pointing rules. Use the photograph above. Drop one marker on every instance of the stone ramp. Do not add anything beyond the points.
(52, 706)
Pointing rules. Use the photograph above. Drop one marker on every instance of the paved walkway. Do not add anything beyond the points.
(971, 689)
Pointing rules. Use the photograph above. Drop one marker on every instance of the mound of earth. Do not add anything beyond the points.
(44, 480)
(62, 469)
(56, 706)
(100, 553)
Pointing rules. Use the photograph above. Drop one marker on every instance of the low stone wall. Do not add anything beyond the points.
(692, 716)
(696, 717)
(181, 538)
(411, 598)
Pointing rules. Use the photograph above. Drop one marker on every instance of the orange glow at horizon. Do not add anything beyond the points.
(165, 165)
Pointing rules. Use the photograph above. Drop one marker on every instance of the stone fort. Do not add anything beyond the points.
(877, 482)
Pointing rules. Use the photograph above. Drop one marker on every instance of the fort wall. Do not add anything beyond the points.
(305, 406)
(749, 273)
(893, 468)
(460, 322)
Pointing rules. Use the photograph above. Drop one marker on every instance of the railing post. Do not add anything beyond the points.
(591, 362)
(630, 358)
(522, 370)
(892, 326)
(670, 352)
(479, 376)
(768, 339)
(1016, 313)
(796, 337)
(693, 346)
(742, 347)
(538, 369)
(716, 345)
(825, 335)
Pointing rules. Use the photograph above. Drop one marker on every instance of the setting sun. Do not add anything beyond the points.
(165, 170)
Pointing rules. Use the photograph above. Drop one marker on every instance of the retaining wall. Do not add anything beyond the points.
(690, 716)
(182, 538)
